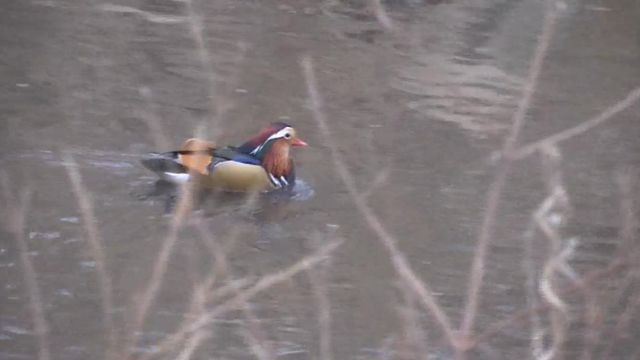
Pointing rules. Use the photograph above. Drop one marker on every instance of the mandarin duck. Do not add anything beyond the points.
(263, 163)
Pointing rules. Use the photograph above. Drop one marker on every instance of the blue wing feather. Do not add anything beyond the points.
(245, 159)
(231, 153)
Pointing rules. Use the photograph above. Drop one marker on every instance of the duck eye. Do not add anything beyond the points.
(287, 136)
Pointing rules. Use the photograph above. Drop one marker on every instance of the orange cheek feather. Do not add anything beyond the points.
(276, 161)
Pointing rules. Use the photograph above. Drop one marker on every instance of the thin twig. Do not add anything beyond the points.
(150, 117)
(381, 15)
(414, 334)
(171, 341)
(196, 27)
(197, 307)
(263, 284)
(85, 204)
(193, 344)
(627, 249)
(630, 225)
(556, 203)
(160, 267)
(608, 114)
(486, 233)
(537, 331)
(149, 16)
(596, 275)
(271, 280)
(382, 175)
(559, 308)
(17, 223)
(254, 334)
(400, 263)
(201, 295)
(622, 326)
(318, 280)
(593, 323)
(231, 287)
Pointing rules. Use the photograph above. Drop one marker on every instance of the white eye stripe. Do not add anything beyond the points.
(278, 135)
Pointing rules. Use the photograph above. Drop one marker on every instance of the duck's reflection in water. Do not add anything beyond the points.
(264, 211)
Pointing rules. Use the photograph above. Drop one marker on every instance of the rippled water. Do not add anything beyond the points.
(418, 114)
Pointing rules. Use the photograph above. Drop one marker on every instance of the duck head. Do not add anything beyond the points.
(272, 147)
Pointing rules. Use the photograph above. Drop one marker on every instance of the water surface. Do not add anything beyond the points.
(427, 105)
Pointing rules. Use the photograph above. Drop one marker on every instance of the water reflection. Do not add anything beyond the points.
(473, 95)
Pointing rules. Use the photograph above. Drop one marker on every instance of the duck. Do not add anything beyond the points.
(263, 163)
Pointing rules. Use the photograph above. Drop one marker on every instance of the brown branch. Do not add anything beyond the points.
(399, 261)
(590, 278)
(319, 285)
(254, 335)
(249, 292)
(197, 307)
(271, 280)
(495, 192)
(153, 122)
(608, 114)
(159, 269)
(415, 341)
(16, 225)
(219, 106)
(381, 15)
(85, 204)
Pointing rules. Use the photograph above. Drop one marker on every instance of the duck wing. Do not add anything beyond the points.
(170, 161)
(231, 153)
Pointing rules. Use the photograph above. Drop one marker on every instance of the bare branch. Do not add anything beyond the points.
(318, 280)
(605, 116)
(160, 266)
(85, 204)
(247, 293)
(398, 260)
(150, 117)
(381, 15)
(254, 335)
(495, 192)
(16, 225)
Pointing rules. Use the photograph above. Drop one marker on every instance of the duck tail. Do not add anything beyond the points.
(176, 166)
(163, 163)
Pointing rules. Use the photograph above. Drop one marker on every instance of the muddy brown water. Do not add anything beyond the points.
(429, 105)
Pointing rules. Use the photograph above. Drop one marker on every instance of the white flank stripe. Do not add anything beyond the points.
(274, 181)
(176, 178)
